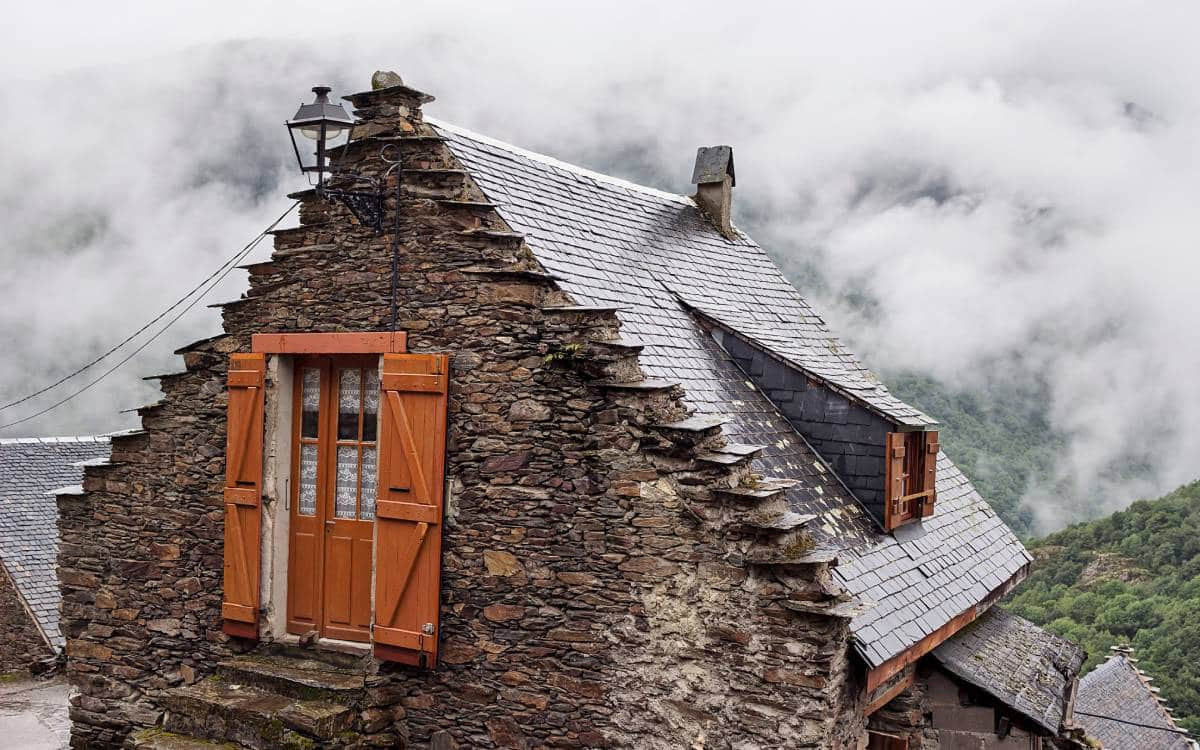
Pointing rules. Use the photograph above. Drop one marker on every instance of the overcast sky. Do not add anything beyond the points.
(1009, 187)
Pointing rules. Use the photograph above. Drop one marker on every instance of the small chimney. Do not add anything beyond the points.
(714, 181)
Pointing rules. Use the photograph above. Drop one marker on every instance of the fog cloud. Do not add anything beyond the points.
(972, 192)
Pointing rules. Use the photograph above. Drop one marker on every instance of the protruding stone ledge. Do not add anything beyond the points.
(583, 309)
(640, 385)
(694, 423)
(390, 95)
(472, 205)
(773, 522)
(521, 274)
(494, 234)
(764, 490)
(287, 231)
(739, 449)
(791, 555)
(839, 608)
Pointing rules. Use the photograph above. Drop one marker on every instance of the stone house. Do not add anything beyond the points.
(32, 472)
(549, 460)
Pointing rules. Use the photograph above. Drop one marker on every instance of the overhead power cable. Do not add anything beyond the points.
(1132, 723)
(198, 292)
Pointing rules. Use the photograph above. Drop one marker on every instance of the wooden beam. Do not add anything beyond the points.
(887, 695)
(880, 674)
(371, 342)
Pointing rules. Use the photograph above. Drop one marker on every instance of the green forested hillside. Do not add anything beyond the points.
(1133, 577)
(997, 435)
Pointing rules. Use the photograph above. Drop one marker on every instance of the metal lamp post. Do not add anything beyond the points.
(328, 126)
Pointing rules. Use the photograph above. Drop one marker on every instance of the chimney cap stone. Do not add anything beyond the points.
(713, 163)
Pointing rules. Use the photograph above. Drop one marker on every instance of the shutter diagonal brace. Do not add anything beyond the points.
(252, 397)
(405, 567)
(408, 447)
(233, 514)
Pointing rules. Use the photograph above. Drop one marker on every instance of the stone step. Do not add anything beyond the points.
(157, 739)
(217, 709)
(354, 659)
(304, 679)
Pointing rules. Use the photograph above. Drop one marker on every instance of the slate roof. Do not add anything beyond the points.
(654, 255)
(1022, 666)
(1116, 689)
(31, 469)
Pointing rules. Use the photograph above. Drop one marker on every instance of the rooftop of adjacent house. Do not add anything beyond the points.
(1017, 663)
(31, 471)
(657, 257)
(1117, 689)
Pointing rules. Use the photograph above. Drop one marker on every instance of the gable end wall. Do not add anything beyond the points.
(583, 605)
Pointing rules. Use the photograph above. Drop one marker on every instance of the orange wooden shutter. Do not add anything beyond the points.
(412, 459)
(930, 450)
(243, 493)
(894, 477)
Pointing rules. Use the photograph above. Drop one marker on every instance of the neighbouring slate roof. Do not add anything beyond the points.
(654, 255)
(31, 469)
(1017, 663)
(1115, 688)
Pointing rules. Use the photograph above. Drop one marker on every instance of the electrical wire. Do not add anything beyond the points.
(1132, 723)
(202, 289)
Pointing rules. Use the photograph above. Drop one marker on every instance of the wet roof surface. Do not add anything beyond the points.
(1024, 667)
(1114, 688)
(31, 469)
(655, 255)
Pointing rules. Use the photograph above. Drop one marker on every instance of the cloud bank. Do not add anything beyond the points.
(969, 192)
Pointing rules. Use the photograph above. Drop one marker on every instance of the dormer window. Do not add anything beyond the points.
(911, 480)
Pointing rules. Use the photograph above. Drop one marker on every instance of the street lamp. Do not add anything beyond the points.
(323, 122)
(328, 126)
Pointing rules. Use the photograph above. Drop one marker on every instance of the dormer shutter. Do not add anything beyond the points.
(243, 493)
(412, 457)
(895, 510)
(930, 446)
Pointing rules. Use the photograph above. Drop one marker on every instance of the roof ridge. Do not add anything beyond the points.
(551, 161)
(55, 439)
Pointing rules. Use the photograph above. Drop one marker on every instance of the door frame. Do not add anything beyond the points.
(323, 521)
(282, 350)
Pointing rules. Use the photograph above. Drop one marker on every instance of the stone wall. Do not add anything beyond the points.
(967, 719)
(847, 435)
(21, 643)
(589, 600)
(907, 716)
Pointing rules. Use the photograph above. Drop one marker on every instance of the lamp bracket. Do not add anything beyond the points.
(367, 206)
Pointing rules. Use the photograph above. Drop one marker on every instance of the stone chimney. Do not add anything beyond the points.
(714, 180)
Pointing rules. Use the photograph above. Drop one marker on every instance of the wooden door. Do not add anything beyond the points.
(334, 487)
